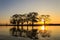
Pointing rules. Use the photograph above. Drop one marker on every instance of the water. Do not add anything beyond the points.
(54, 30)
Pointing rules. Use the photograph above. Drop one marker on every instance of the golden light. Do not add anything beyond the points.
(43, 20)
(43, 28)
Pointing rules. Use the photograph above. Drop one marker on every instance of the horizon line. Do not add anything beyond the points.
(51, 24)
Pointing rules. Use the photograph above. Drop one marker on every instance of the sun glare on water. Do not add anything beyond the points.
(43, 28)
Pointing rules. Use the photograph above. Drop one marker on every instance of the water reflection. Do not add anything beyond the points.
(55, 33)
(13, 31)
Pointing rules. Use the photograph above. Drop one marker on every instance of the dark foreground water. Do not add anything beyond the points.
(5, 35)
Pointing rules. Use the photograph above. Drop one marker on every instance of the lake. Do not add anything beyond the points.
(54, 30)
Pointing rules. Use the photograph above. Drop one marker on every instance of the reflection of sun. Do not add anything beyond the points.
(43, 28)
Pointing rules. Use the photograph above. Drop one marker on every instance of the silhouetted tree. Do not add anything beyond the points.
(27, 20)
(44, 18)
(22, 19)
(15, 20)
(33, 17)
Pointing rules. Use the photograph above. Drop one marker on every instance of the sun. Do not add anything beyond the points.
(43, 20)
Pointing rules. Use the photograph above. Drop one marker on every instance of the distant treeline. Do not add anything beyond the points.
(30, 25)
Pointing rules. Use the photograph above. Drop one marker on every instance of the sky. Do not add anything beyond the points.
(46, 7)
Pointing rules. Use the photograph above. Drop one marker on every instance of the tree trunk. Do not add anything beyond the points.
(17, 25)
(27, 25)
(44, 23)
(22, 26)
(32, 25)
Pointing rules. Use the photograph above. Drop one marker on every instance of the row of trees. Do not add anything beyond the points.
(20, 19)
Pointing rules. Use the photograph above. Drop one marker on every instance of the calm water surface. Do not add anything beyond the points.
(54, 30)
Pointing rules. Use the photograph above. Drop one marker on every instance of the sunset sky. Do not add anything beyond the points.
(46, 7)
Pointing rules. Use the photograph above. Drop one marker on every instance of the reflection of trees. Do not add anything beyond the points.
(44, 18)
(15, 20)
(20, 19)
(13, 31)
(44, 34)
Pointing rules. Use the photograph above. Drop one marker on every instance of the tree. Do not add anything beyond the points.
(33, 17)
(15, 20)
(22, 19)
(27, 20)
(44, 18)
